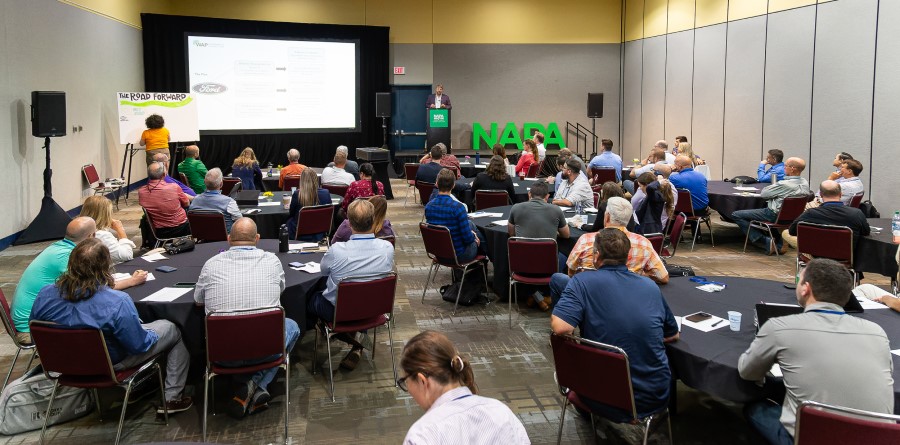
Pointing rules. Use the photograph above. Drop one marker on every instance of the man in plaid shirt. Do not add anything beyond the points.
(445, 211)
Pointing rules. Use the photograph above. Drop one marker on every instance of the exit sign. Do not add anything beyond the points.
(399, 70)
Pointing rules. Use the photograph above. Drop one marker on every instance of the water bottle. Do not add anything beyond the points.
(895, 227)
(774, 178)
(283, 238)
(478, 157)
(270, 169)
(579, 214)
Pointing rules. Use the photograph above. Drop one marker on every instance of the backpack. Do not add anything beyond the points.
(744, 179)
(869, 210)
(23, 403)
(471, 292)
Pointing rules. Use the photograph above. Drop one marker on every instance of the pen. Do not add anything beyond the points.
(718, 323)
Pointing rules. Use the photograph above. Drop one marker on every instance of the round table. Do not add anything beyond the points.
(724, 199)
(877, 252)
(708, 361)
(272, 214)
(188, 316)
(521, 187)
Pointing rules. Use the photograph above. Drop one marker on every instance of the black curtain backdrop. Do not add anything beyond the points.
(164, 71)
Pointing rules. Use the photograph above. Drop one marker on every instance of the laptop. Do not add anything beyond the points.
(765, 311)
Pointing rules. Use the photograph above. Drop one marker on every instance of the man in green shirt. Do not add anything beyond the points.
(193, 168)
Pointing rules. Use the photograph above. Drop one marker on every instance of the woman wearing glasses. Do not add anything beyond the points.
(443, 384)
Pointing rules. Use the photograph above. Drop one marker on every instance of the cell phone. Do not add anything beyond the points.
(698, 317)
(296, 264)
(186, 284)
(166, 269)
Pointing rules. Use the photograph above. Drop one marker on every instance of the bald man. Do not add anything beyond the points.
(244, 277)
(294, 167)
(693, 181)
(48, 266)
(193, 169)
(164, 160)
(833, 212)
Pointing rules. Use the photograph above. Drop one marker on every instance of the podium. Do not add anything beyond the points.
(437, 128)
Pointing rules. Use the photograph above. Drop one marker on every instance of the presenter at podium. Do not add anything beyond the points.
(438, 99)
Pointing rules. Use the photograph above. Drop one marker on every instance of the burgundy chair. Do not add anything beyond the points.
(485, 199)
(533, 170)
(596, 371)
(409, 171)
(425, 190)
(602, 175)
(821, 424)
(227, 341)
(597, 202)
(336, 189)
(183, 178)
(79, 358)
(99, 187)
(363, 302)
(439, 247)
(531, 261)
(389, 238)
(290, 181)
(657, 240)
(159, 241)
(824, 241)
(207, 226)
(685, 205)
(228, 185)
(314, 220)
(6, 317)
(791, 208)
(676, 227)
(856, 200)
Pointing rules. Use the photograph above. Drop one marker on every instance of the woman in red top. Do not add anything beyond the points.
(366, 186)
(527, 158)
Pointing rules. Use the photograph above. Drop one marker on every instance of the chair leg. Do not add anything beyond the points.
(49, 407)
(509, 299)
(11, 366)
(162, 393)
(124, 407)
(487, 289)
(287, 393)
(374, 340)
(562, 419)
(709, 226)
(696, 233)
(97, 402)
(432, 270)
(459, 292)
(206, 382)
(30, 360)
(315, 363)
(330, 371)
(669, 422)
(646, 425)
(391, 349)
(747, 237)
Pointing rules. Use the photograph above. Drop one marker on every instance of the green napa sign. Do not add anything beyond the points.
(511, 135)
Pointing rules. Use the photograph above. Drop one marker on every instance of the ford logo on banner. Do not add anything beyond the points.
(209, 88)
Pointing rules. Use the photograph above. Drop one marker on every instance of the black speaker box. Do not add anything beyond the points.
(48, 113)
(595, 105)
(382, 104)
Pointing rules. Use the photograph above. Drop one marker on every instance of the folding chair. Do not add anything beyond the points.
(791, 208)
(363, 302)
(229, 184)
(602, 175)
(657, 240)
(6, 317)
(533, 170)
(821, 424)
(425, 190)
(597, 202)
(336, 189)
(313, 220)
(79, 358)
(599, 372)
(824, 241)
(159, 241)
(856, 200)
(183, 178)
(99, 187)
(227, 340)
(439, 247)
(676, 227)
(684, 205)
(389, 238)
(290, 181)
(207, 226)
(531, 261)
(485, 199)
(409, 172)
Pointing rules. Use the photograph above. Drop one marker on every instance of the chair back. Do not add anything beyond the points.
(676, 226)
(594, 370)
(533, 256)
(533, 170)
(290, 181)
(438, 243)
(149, 222)
(602, 175)
(227, 336)
(490, 198)
(315, 219)
(207, 225)
(389, 238)
(409, 170)
(821, 424)
(90, 174)
(6, 318)
(791, 208)
(78, 354)
(183, 178)
(336, 189)
(856, 200)
(360, 298)
(425, 189)
(684, 203)
(824, 241)
(597, 202)
(228, 185)
(656, 239)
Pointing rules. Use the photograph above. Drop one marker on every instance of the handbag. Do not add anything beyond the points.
(23, 403)
(180, 245)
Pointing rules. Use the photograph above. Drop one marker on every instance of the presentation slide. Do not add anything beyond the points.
(264, 85)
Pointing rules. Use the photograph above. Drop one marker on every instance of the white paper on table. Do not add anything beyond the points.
(747, 189)
(335, 200)
(877, 229)
(565, 209)
(869, 304)
(481, 166)
(167, 294)
(483, 214)
(269, 203)
(710, 324)
(591, 210)
(500, 222)
(309, 267)
(746, 194)
(154, 257)
(531, 179)
(298, 246)
(710, 287)
(896, 352)
(125, 276)
(776, 370)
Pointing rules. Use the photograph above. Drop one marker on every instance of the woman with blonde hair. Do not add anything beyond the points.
(110, 231)
(246, 168)
(381, 226)
(443, 384)
(308, 194)
(686, 149)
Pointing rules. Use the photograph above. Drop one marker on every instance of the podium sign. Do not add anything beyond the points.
(439, 118)
(438, 129)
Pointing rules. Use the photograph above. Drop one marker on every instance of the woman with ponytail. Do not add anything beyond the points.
(442, 382)
(365, 187)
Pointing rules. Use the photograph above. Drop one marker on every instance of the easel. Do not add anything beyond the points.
(127, 159)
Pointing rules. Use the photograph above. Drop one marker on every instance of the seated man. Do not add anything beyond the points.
(838, 160)
(244, 277)
(693, 181)
(294, 167)
(833, 212)
(792, 185)
(428, 172)
(48, 266)
(607, 158)
(564, 155)
(536, 218)
(192, 167)
(817, 351)
(447, 160)
(575, 190)
(648, 165)
(362, 256)
(336, 175)
(351, 166)
(213, 199)
(615, 306)
(849, 181)
(165, 203)
(774, 159)
(445, 211)
(642, 259)
(163, 159)
(83, 297)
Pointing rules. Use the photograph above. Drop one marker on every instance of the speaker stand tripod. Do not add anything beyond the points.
(51, 221)
(384, 132)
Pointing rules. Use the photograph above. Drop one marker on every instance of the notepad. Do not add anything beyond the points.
(708, 325)
(125, 276)
(310, 267)
(154, 257)
(269, 203)
(167, 294)
(747, 189)
(776, 370)
(484, 214)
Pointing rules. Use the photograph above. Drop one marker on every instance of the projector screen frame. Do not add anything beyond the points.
(356, 84)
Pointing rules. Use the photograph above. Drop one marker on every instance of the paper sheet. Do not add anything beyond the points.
(531, 179)
(309, 267)
(167, 294)
(269, 203)
(124, 276)
(776, 370)
(154, 257)
(501, 222)
(298, 246)
(481, 166)
(868, 304)
(896, 352)
(565, 209)
(484, 214)
(591, 210)
(747, 189)
(745, 194)
(710, 324)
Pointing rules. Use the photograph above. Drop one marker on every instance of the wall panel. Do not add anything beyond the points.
(653, 81)
(881, 172)
(743, 96)
(679, 85)
(631, 96)
(709, 90)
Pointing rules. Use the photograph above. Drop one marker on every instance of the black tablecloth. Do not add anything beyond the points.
(271, 217)
(497, 236)
(877, 252)
(521, 187)
(270, 183)
(468, 168)
(187, 316)
(722, 198)
(708, 361)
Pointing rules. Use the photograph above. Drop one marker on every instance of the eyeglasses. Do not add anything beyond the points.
(401, 382)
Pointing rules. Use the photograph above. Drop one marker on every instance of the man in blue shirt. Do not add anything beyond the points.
(774, 159)
(607, 158)
(428, 171)
(213, 200)
(615, 306)
(693, 181)
(83, 297)
(443, 210)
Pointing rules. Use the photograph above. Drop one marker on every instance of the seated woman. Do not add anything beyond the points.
(381, 227)
(494, 177)
(366, 186)
(498, 150)
(686, 149)
(443, 384)
(528, 157)
(657, 200)
(110, 231)
(246, 168)
(307, 194)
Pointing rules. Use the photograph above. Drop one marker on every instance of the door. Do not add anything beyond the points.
(408, 114)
